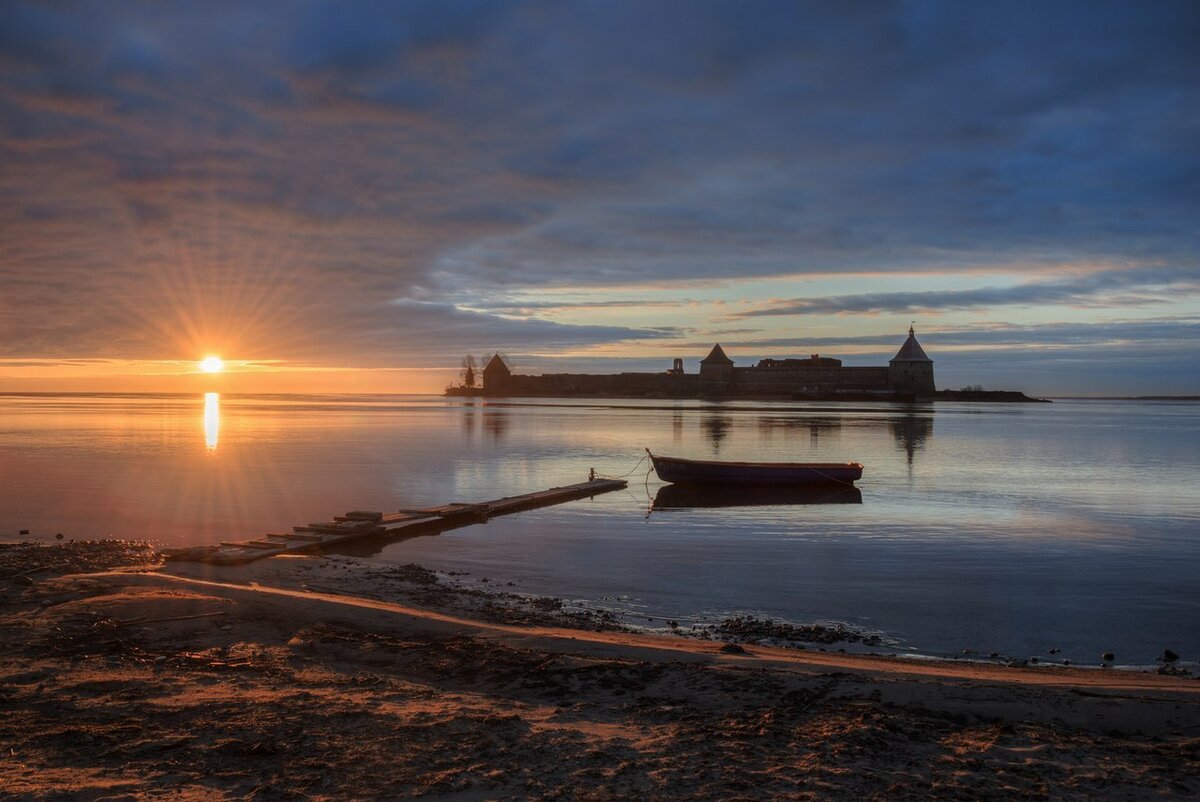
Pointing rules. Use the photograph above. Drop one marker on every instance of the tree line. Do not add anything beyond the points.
(471, 373)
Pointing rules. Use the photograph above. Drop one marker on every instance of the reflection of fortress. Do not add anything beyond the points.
(908, 374)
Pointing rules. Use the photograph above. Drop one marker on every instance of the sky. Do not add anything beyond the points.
(338, 196)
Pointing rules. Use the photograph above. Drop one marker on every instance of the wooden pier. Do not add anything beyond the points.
(358, 524)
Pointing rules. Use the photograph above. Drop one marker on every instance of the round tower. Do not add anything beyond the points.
(911, 371)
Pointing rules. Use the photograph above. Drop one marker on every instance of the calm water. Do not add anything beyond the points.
(1008, 528)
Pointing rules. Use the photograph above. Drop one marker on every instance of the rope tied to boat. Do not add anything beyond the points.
(592, 475)
(831, 478)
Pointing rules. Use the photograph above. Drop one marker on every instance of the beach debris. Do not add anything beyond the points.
(20, 560)
(1107, 657)
(1172, 670)
(751, 628)
(59, 536)
(189, 554)
(23, 532)
(132, 621)
(731, 648)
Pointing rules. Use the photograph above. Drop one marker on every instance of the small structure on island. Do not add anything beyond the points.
(907, 376)
(495, 373)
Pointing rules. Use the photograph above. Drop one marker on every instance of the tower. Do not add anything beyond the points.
(496, 376)
(716, 372)
(910, 370)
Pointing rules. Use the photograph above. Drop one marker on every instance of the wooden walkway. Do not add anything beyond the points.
(360, 524)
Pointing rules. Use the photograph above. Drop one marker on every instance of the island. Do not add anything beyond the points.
(907, 378)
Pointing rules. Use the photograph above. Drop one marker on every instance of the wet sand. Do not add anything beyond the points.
(320, 678)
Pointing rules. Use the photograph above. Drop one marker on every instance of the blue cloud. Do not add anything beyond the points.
(1112, 288)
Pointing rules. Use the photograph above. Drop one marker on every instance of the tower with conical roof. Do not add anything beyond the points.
(496, 376)
(910, 370)
(716, 372)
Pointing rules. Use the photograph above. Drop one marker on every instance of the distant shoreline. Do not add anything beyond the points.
(985, 396)
(1127, 397)
(444, 394)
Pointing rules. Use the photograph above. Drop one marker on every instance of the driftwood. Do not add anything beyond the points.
(133, 621)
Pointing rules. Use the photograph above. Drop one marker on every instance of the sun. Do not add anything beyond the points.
(211, 364)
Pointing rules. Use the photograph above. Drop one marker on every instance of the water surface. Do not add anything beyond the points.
(988, 527)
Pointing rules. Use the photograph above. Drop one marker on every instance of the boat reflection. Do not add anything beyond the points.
(212, 420)
(688, 496)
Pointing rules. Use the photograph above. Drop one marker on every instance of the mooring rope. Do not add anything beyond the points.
(631, 472)
(832, 478)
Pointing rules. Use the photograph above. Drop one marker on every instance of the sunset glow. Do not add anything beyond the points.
(718, 195)
(212, 420)
(212, 364)
(296, 296)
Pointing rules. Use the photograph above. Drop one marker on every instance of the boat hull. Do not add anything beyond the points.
(686, 471)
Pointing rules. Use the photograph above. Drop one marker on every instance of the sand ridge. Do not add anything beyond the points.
(140, 684)
(628, 645)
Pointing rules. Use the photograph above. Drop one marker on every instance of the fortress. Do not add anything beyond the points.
(907, 375)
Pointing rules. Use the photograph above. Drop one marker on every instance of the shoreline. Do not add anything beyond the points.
(258, 682)
(900, 399)
(490, 600)
(605, 633)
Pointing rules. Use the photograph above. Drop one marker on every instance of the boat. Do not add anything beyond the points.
(708, 472)
(683, 497)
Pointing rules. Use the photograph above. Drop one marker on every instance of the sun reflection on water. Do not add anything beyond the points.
(212, 420)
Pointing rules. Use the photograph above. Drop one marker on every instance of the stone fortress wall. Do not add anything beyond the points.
(908, 374)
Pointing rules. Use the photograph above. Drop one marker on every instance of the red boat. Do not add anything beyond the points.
(704, 472)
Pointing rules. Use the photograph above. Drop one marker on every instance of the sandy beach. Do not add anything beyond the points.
(325, 678)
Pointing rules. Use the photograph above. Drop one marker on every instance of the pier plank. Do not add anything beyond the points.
(359, 523)
(361, 515)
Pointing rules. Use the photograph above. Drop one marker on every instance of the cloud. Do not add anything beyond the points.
(272, 176)
(1102, 289)
(407, 322)
(1178, 333)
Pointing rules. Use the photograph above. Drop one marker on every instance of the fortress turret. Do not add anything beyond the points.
(496, 376)
(910, 370)
(716, 372)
